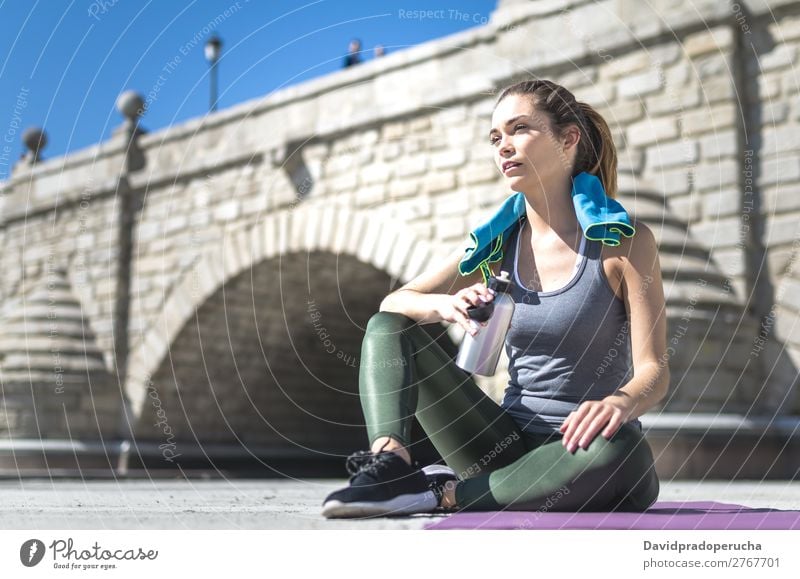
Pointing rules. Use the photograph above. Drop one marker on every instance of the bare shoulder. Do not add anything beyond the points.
(634, 254)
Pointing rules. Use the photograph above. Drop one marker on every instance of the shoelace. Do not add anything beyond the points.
(366, 461)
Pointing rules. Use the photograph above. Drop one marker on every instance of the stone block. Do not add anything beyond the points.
(175, 223)
(672, 154)
(411, 165)
(626, 64)
(781, 56)
(731, 262)
(707, 41)
(418, 260)
(412, 209)
(389, 151)
(786, 28)
(622, 113)
(709, 120)
(716, 175)
(781, 199)
(393, 130)
(477, 173)
(311, 230)
(341, 230)
(597, 95)
(388, 235)
(326, 229)
(378, 172)
(769, 86)
(364, 246)
(773, 113)
(147, 230)
(400, 253)
(371, 195)
(439, 181)
(723, 232)
(781, 230)
(355, 233)
(778, 140)
(787, 325)
(255, 204)
(780, 170)
(227, 211)
(283, 232)
(788, 293)
(712, 66)
(419, 125)
(721, 203)
(344, 182)
(639, 85)
(721, 144)
(652, 130)
(449, 228)
(399, 188)
(448, 159)
(297, 233)
(449, 204)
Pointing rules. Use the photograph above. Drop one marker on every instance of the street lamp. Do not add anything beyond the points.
(213, 48)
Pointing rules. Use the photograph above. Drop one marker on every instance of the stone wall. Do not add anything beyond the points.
(384, 168)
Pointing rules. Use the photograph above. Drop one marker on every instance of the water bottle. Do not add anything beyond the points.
(479, 354)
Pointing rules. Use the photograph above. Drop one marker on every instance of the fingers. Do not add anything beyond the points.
(593, 424)
(575, 419)
(580, 426)
(613, 425)
(588, 419)
(583, 424)
(462, 319)
(475, 295)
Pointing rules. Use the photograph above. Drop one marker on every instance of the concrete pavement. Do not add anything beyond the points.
(262, 504)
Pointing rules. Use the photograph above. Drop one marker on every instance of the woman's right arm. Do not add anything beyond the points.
(440, 294)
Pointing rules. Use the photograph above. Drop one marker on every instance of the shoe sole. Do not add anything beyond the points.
(398, 506)
(439, 469)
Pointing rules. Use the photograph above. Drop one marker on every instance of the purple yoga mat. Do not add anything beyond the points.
(705, 515)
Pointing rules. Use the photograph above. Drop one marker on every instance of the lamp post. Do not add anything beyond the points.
(213, 48)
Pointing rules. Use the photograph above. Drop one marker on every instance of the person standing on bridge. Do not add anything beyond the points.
(566, 436)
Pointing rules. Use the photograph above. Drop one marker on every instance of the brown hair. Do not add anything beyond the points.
(596, 153)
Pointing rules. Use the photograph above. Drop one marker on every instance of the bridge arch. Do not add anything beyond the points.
(287, 270)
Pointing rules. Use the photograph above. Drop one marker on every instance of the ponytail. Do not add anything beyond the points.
(599, 156)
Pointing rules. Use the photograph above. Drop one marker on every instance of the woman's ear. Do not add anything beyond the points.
(572, 136)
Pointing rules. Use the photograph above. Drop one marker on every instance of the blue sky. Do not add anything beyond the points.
(63, 63)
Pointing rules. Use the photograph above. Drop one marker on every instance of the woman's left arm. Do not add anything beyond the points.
(644, 301)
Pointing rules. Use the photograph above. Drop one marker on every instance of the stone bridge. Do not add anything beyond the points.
(200, 292)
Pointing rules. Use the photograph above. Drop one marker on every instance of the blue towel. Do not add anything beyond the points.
(601, 218)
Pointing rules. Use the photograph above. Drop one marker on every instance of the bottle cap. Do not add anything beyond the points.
(500, 283)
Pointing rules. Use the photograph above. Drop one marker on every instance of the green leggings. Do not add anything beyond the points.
(404, 373)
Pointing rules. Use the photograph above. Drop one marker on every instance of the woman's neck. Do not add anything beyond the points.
(552, 212)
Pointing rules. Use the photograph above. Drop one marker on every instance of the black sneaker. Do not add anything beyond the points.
(439, 477)
(381, 484)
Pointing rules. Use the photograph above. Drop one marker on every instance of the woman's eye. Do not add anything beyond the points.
(494, 140)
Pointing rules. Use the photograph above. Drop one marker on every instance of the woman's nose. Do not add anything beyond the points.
(505, 146)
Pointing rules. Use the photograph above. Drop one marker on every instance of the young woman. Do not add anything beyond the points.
(566, 436)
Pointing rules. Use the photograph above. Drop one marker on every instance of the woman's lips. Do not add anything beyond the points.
(510, 168)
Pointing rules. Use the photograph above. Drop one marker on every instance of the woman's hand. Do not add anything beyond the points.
(583, 424)
(453, 308)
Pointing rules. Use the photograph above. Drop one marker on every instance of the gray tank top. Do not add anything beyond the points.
(564, 346)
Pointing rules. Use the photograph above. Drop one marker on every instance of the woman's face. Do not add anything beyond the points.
(523, 135)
